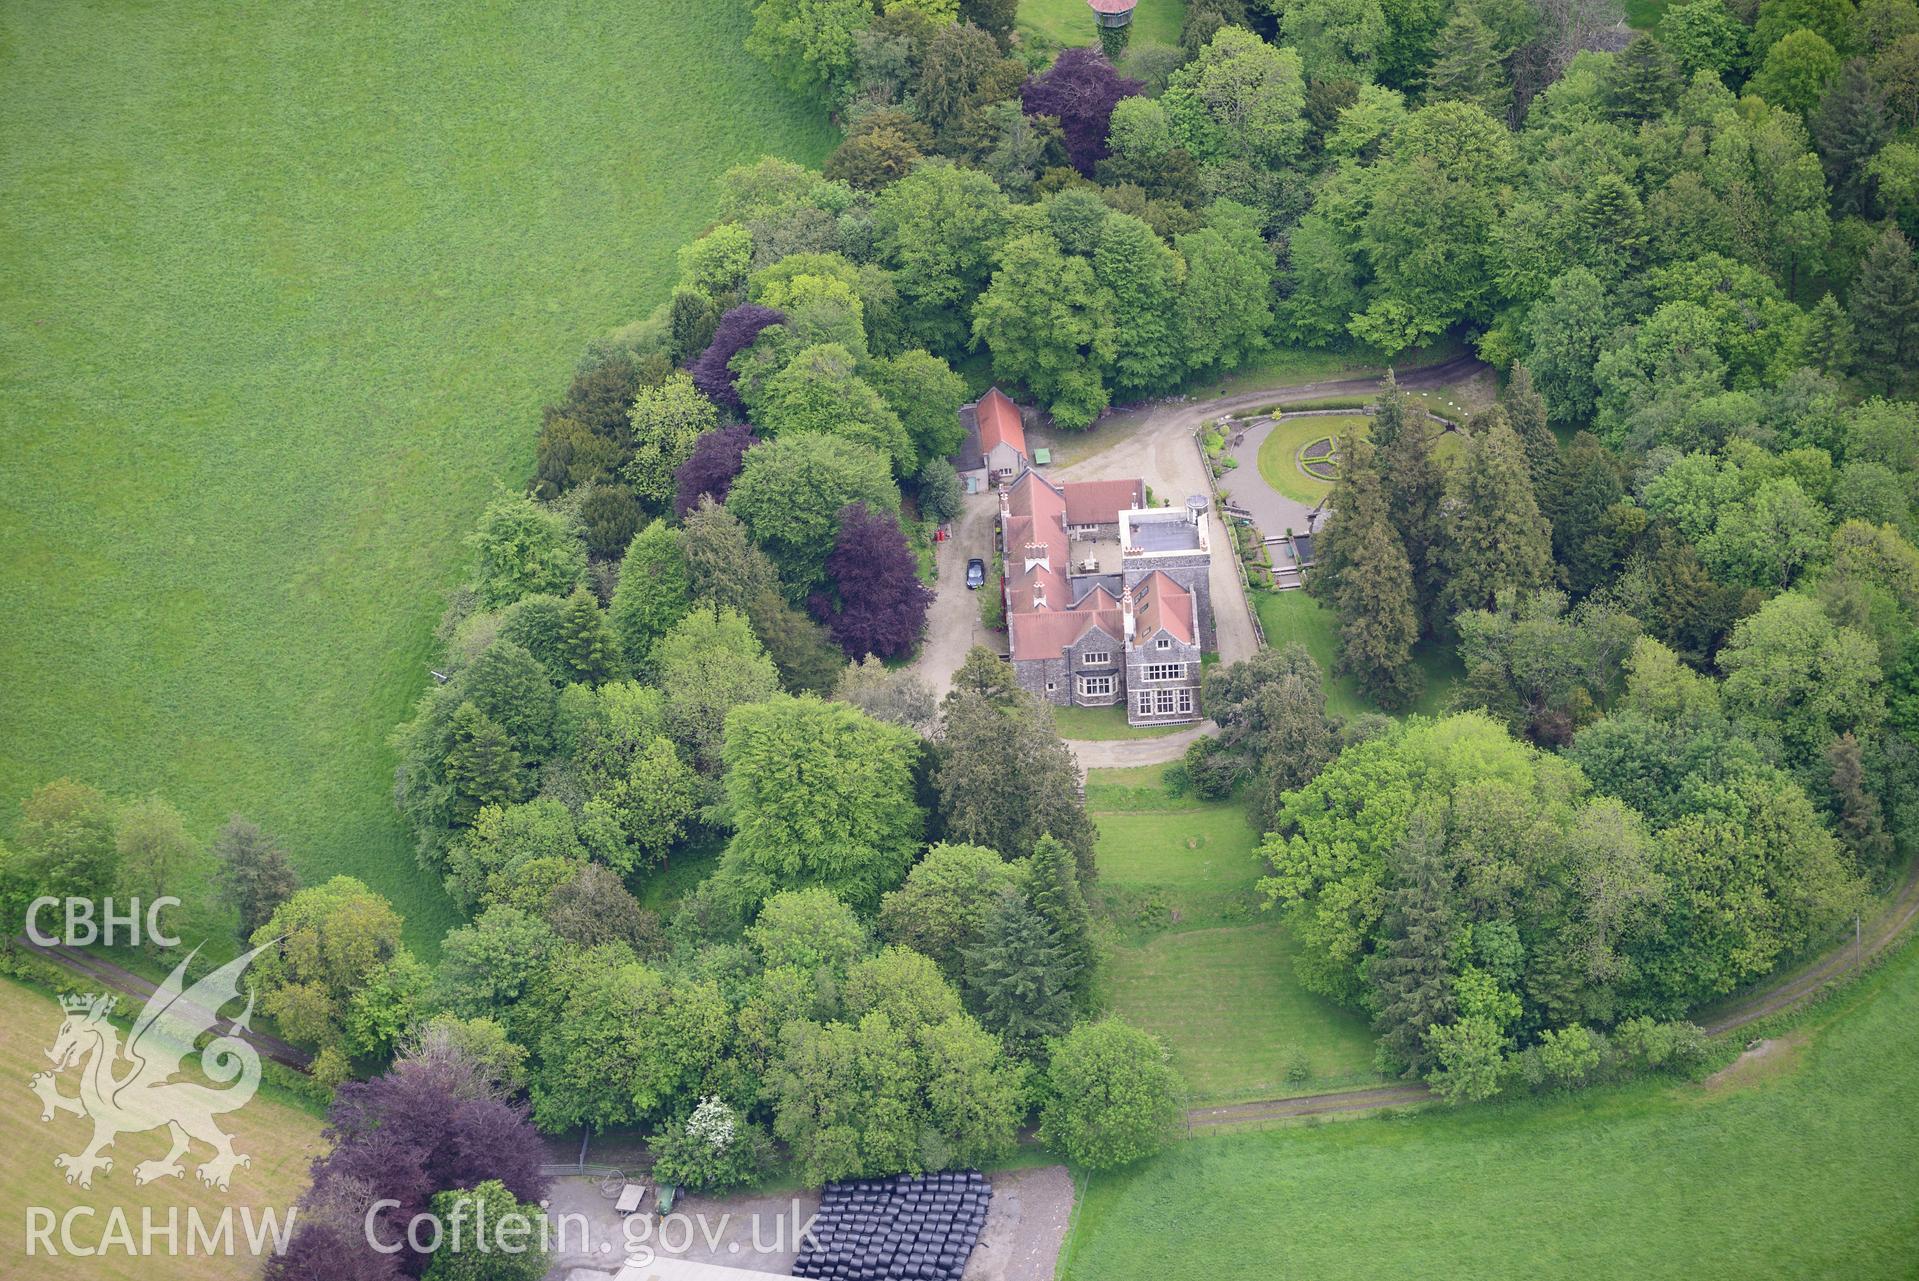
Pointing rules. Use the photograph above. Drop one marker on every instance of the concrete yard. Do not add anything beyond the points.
(751, 1236)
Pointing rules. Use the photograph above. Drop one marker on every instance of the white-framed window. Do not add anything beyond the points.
(1186, 700)
(1165, 701)
(1051, 686)
(1146, 702)
(1096, 658)
(1165, 671)
(1162, 643)
(1095, 686)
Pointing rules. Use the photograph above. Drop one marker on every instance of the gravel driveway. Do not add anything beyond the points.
(952, 622)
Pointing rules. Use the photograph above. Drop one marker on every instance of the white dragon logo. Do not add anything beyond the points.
(129, 1091)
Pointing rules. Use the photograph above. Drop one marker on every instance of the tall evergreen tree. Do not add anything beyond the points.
(1830, 345)
(481, 767)
(1413, 485)
(254, 870)
(1061, 904)
(1885, 311)
(1496, 539)
(1849, 128)
(1296, 738)
(1526, 411)
(1581, 500)
(723, 566)
(1644, 83)
(588, 652)
(1364, 575)
(1611, 227)
(1411, 973)
(1018, 977)
(1466, 66)
(1862, 823)
(1004, 777)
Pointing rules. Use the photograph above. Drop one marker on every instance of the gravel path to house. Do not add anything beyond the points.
(1121, 753)
(952, 622)
(1246, 488)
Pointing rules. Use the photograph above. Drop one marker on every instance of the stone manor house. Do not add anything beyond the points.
(1107, 600)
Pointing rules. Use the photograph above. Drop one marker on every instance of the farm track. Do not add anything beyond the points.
(1888, 928)
(127, 983)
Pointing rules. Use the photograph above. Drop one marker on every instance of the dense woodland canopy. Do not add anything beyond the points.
(1676, 562)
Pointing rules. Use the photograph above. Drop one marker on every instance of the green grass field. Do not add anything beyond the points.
(1279, 452)
(283, 289)
(1194, 961)
(1238, 1023)
(1804, 1169)
(1070, 22)
(281, 1141)
(1294, 616)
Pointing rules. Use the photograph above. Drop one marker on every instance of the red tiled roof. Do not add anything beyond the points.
(999, 421)
(1099, 502)
(1044, 633)
(1113, 6)
(1037, 514)
(1159, 602)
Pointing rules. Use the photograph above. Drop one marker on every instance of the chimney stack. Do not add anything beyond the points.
(1126, 611)
(1036, 555)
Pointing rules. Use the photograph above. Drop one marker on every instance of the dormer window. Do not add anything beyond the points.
(1162, 643)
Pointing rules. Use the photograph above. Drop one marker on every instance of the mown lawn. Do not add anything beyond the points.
(1238, 1023)
(1101, 723)
(1805, 1171)
(281, 1141)
(1295, 616)
(1195, 961)
(1279, 452)
(282, 290)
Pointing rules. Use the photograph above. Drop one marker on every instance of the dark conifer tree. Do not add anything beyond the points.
(1004, 777)
(1496, 539)
(587, 650)
(1885, 311)
(1526, 411)
(1018, 979)
(1644, 83)
(1581, 501)
(1413, 486)
(1830, 346)
(1849, 128)
(1061, 904)
(1364, 576)
(481, 767)
(1297, 740)
(1412, 972)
